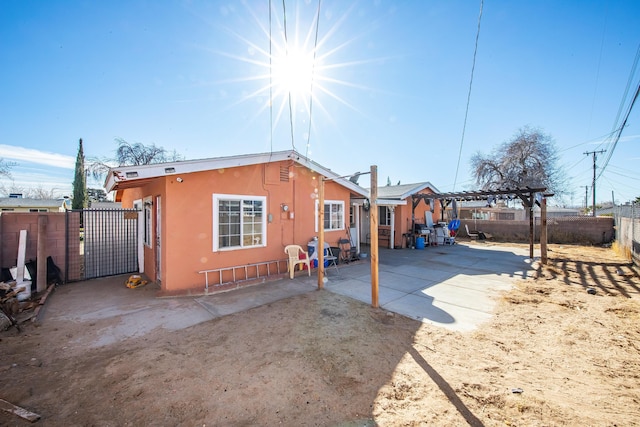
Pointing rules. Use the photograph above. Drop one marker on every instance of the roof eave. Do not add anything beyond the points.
(136, 176)
(418, 189)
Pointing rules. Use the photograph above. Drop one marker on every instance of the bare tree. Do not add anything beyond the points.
(96, 195)
(128, 154)
(5, 168)
(12, 188)
(38, 192)
(529, 159)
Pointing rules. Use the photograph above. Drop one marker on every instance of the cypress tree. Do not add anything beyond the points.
(79, 182)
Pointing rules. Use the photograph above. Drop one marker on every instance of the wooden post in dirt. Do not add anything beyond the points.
(531, 233)
(41, 256)
(373, 231)
(543, 231)
(22, 249)
(320, 245)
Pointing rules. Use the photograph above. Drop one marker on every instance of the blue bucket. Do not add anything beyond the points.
(420, 243)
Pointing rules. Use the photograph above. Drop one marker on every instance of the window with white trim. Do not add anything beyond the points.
(384, 215)
(148, 221)
(238, 221)
(333, 215)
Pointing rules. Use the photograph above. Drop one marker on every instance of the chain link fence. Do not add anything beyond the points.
(627, 223)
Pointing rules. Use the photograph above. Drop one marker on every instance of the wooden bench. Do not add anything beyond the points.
(384, 235)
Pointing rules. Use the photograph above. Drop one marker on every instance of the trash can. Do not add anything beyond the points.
(420, 243)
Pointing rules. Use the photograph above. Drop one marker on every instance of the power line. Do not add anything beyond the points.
(624, 175)
(626, 117)
(632, 72)
(620, 188)
(313, 69)
(567, 169)
(623, 169)
(466, 113)
(270, 83)
(595, 89)
(286, 46)
(624, 124)
(598, 138)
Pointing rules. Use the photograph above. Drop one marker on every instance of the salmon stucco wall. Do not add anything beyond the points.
(423, 207)
(187, 221)
(403, 220)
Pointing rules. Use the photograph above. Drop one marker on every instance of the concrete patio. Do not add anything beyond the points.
(454, 287)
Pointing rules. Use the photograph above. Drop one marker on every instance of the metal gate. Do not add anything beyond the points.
(101, 242)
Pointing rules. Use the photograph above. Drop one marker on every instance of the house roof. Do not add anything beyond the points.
(471, 204)
(124, 177)
(105, 205)
(401, 192)
(13, 202)
(557, 209)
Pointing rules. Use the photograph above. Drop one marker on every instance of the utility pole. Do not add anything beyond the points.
(586, 198)
(613, 204)
(593, 184)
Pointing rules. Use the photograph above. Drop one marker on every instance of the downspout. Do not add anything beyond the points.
(393, 227)
(356, 209)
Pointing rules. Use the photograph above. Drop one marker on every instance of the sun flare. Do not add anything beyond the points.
(293, 73)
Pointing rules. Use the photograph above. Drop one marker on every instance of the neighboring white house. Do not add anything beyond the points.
(556, 212)
(19, 204)
(105, 205)
(500, 212)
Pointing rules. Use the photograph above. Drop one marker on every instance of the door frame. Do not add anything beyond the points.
(158, 245)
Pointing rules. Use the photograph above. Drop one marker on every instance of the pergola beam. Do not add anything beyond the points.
(527, 195)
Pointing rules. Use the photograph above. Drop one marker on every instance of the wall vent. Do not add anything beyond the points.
(284, 173)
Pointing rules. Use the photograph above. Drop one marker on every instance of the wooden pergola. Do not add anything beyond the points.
(529, 196)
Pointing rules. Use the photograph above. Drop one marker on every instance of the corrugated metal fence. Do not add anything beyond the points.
(101, 242)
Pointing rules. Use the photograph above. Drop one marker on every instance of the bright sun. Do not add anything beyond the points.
(298, 71)
(293, 73)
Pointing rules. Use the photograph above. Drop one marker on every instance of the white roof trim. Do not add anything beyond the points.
(137, 173)
(419, 188)
(381, 202)
(389, 192)
(391, 202)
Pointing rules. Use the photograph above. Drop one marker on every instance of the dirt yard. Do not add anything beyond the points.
(553, 354)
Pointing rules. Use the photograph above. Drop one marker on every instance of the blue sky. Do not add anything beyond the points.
(390, 89)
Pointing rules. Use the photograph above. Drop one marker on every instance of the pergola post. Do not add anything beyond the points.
(531, 233)
(543, 231)
(373, 231)
(320, 246)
